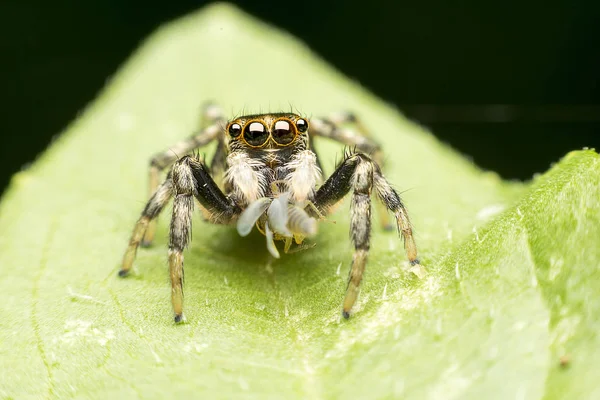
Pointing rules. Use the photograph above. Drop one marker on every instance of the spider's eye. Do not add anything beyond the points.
(283, 132)
(235, 130)
(302, 125)
(256, 134)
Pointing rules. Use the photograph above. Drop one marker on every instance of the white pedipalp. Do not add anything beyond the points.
(270, 242)
(251, 214)
(303, 176)
(284, 220)
(243, 175)
(299, 222)
(277, 214)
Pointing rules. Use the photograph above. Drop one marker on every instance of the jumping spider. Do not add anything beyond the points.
(271, 178)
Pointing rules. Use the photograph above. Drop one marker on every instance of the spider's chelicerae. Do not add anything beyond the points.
(270, 177)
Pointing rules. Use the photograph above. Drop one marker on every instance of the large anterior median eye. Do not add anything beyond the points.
(283, 132)
(255, 134)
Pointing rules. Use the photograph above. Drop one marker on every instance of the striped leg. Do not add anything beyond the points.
(191, 179)
(390, 198)
(213, 115)
(361, 174)
(354, 134)
(188, 178)
(154, 206)
(360, 230)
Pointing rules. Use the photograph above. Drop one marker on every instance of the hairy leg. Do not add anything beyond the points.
(359, 174)
(390, 198)
(154, 206)
(311, 147)
(188, 179)
(345, 128)
(211, 124)
(191, 179)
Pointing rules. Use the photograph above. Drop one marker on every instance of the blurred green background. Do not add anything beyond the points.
(513, 85)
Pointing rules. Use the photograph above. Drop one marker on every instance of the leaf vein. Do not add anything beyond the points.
(34, 305)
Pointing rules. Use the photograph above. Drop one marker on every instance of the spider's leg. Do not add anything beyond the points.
(192, 179)
(160, 161)
(345, 128)
(354, 173)
(311, 147)
(393, 202)
(154, 206)
(361, 174)
(218, 164)
(212, 114)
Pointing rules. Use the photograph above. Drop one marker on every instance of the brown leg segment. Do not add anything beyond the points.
(151, 230)
(154, 206)
(392, 201)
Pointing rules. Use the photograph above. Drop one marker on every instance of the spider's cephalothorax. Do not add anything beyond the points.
(269, 176)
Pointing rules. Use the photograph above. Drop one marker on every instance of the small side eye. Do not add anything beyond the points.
(302, 125)
(235, 130)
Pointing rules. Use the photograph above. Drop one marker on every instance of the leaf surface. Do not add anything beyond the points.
(512, 270)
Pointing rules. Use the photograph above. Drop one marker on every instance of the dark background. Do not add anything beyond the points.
(514, 85)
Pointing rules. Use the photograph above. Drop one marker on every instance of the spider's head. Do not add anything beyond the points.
(270, 131)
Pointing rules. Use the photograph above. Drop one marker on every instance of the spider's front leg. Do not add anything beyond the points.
(188, 178)
(361, 174)
(191, 178)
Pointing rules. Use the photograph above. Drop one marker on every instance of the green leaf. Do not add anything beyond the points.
(511, 288)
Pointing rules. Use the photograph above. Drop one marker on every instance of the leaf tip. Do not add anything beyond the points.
(586, 151)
